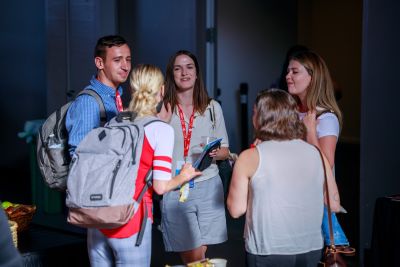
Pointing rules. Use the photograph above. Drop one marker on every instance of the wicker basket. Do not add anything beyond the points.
(13, 227)
(22, 216)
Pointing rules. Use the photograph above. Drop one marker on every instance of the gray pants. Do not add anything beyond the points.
(309, 259)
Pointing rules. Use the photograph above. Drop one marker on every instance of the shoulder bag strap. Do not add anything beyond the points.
(148, 183)
(325, 111)
(212, 115)
(87, 91)
(328, 201)
(349, 251)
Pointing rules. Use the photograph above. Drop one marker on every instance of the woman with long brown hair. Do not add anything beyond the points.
(193, 216)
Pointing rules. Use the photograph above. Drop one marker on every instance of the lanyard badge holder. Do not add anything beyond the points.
(185, 188)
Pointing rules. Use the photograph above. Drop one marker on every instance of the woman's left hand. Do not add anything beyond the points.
(214, 152)
(310, 121)
(220, 153)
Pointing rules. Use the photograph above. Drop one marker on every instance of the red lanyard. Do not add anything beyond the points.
(186, 134)
(118, 101)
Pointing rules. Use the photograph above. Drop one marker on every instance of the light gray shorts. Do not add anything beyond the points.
(200, 220)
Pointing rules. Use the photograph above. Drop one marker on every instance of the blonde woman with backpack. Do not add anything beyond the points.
(117, 247)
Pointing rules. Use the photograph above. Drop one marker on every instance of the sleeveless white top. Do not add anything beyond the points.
(285, 203)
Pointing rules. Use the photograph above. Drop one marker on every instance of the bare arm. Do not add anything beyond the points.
(186, 174)
(244, 169)
(326, 144)
(334, 198)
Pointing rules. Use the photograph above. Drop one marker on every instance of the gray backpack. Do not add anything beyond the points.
(52, 144)
(102, 178)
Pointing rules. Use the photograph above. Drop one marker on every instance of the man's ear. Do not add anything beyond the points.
(98, 61)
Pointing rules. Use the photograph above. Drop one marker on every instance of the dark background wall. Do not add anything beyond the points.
(149, 25)
(156, 29)
(23, 76)
(72, 29)
(253, 37)
(46, 51)
(379, 109)
(22, 90)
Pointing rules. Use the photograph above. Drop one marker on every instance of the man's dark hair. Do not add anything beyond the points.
(107, 42)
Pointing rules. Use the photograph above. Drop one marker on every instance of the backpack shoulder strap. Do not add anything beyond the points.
(212, 114)
(151, 121)
(144, 121)
(148, 181)
(93, 93)
(325, 111)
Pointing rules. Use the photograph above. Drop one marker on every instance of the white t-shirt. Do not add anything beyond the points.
(328, 124)
(160, 137)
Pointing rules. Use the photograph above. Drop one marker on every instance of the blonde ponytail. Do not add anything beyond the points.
(146, 82)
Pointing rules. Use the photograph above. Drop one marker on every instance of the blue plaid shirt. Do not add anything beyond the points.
(84, 113)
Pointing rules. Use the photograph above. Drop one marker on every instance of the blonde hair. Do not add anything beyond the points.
(320, 92)
(146, 81)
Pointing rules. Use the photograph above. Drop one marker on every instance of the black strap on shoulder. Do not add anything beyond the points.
(93, 93)
(212, 114)
(148, 182)
(58, 121)
(325, 111)
(125, 115)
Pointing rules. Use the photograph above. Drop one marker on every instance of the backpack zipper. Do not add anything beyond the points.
(133, 148)
(115, 171)
(119, 128)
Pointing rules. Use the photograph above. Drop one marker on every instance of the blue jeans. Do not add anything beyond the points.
(109, 252)
(338, 234)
